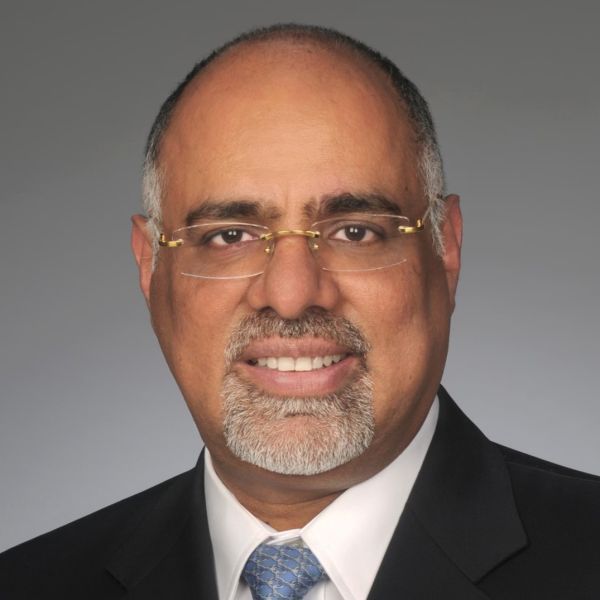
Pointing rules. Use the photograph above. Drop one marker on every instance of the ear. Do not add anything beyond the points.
(141, 246)
(452, 236)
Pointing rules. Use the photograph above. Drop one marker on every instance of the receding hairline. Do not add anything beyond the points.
(276, 51)
(276, 47)
(298, 60)
(304, 37)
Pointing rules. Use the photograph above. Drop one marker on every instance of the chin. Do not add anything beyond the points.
(297, 435)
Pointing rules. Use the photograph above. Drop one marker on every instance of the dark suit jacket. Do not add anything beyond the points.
(482, 521)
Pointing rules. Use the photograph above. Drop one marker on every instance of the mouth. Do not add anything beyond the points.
(297, 367)
(286, 364)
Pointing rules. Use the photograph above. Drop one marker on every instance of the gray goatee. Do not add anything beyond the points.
(297, 435)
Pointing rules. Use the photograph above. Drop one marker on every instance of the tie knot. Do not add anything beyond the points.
(282, 572)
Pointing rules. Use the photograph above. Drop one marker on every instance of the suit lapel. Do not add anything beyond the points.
(169, 555)
(460, 520)
(414, 567)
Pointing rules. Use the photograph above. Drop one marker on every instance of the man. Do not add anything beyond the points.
(300, 263)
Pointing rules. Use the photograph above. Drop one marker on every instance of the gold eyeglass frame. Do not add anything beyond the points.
(272, 235)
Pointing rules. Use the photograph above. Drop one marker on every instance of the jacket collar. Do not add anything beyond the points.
(460, 521)
(169, 553)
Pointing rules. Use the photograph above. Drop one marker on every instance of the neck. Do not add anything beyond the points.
(291, 501)
(281, 505)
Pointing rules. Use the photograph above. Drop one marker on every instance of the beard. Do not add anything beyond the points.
(297, 435)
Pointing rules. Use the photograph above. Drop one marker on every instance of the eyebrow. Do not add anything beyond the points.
(229, 210)
(338, 204)
(349, 202)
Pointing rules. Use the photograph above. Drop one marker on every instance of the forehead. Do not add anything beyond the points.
(287, 124)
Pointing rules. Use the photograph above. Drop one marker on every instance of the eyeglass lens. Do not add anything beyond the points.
(237, 250)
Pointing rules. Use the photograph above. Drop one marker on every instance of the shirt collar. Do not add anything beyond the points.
(349, 537)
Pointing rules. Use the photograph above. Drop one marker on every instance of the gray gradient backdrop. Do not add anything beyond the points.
(89, 412)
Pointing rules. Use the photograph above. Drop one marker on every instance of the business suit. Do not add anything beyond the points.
(482, 521)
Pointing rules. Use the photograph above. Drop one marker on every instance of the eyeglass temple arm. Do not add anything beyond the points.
(418, 226)
(420, 223)
(165, 243)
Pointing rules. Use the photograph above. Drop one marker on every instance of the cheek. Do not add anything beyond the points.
(192, 320)
(404, 328)
(202, 319)
(398, 333)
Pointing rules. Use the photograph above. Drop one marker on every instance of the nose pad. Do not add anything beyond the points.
(311, 241)
(269, 248)
(294, 252)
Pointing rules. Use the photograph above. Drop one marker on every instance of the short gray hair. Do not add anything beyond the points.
(431, 169)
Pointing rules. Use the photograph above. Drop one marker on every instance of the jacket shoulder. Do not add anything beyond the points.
(554, 502)
(558, 509)
(520, 460)
(80, 549)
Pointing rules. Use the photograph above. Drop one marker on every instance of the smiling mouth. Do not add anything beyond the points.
(301, 363)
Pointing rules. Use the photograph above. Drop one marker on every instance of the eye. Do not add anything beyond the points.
(228, 236)
(355, 232)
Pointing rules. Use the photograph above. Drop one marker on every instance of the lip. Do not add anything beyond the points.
(300, 383)
(292, 347)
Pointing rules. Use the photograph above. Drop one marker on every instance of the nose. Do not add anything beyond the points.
(293, 281)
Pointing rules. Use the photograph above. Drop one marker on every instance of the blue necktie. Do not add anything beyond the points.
(282, 572)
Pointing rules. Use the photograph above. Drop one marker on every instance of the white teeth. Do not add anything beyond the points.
(303, 363)
(285, 363)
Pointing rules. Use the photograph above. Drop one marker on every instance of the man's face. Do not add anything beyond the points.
(288, 129)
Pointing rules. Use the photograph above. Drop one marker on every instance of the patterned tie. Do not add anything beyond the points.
(275, 572)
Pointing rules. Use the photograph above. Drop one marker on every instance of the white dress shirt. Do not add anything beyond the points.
(349, 537)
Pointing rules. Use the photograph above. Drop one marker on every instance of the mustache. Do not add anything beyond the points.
(312, 323)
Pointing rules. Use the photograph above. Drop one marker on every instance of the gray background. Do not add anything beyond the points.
(90, 414)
